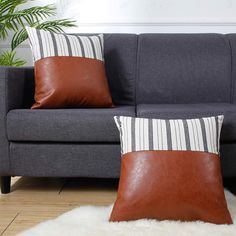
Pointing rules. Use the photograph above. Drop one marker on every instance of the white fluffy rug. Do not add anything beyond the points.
(93, 221)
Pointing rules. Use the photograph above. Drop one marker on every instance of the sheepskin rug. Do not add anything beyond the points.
(93, 221)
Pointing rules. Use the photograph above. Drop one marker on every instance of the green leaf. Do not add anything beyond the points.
(30, 14)
(8, 58)
(9, 6)
(18, 38)
(12, 20)
(56, 26)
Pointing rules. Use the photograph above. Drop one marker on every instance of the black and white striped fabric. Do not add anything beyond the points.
(139, 134)
(47, 44)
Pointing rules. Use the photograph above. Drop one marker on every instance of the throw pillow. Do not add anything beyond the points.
(170, 170)
(69, 70)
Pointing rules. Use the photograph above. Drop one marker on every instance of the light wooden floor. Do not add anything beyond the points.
(34, 200)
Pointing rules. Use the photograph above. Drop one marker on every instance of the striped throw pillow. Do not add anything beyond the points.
(139, 134)
(170, 170)
(47, 44)
(69, 70)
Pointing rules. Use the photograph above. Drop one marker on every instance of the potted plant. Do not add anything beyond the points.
(13, 18)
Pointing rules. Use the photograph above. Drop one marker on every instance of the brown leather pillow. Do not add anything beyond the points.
(69, 70)
(171, 185)
(70, 82)
(170, 170)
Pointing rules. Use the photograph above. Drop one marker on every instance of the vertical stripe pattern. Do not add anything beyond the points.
(139, 134)
(47, 44)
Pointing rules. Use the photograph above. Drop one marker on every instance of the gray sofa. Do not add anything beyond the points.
(150, 75)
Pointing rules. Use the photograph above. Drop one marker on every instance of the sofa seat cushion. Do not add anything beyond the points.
(188, 111)
(66, 125)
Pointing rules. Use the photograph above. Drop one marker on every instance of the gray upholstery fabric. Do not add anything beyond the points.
(76, 160)
(66, 125)
(228, 160)
(232, 42)
(11, 96)
(65, 160)
(120, 60)
(4, 157)
(183, 68)
(185, 111)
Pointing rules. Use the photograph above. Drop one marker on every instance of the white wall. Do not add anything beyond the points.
(138, 16)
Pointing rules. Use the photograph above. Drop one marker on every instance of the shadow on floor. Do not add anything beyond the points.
(44, 184)
(230, 184)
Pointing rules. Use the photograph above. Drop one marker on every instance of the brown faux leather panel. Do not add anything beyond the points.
(171, 185)
(62, 82)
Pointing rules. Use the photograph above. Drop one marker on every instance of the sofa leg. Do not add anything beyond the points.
(5, 184)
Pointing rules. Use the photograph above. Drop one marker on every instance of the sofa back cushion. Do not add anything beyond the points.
(183, 68)
(120, 54)
(232, 41)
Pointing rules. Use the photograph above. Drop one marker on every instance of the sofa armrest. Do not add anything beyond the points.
(14, 82)
(13, 86)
